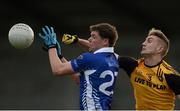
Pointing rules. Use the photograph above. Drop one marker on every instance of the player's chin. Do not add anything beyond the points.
(143, 53)
(90, 50)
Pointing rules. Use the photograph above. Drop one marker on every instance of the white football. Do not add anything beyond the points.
(21, 36)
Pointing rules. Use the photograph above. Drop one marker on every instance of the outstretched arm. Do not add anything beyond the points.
(83, 43)
(71, 39)
(128, 64)
(50, 42)
(52, 45)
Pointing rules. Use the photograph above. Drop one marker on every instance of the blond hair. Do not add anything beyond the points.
(158, 33)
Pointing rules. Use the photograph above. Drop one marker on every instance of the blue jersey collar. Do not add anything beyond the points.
(105, 49)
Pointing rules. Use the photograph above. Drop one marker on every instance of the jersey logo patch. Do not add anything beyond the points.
(149, 75)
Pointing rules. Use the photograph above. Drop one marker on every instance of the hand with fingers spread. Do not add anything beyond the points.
(48, 37)
(50, 40)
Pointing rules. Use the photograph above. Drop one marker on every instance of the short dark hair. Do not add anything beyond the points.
(106, 30)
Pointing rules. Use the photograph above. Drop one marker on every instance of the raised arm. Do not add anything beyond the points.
(71, 39)
(83, 43)
(128, 64)
(50, 42)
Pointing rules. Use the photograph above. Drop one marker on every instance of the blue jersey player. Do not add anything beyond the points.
(98, 68)
(98, 74)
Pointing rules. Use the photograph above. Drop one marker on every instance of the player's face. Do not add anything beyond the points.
(150, 46)
(96, 42)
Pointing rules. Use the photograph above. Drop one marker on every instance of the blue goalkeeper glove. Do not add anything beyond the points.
(50, 40)
(48, 37)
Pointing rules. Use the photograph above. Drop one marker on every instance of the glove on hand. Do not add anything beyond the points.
(69, 39)
(58, 48)
(48, 37)
(50, 40)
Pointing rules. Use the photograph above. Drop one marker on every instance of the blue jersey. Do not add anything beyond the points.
(98, 72)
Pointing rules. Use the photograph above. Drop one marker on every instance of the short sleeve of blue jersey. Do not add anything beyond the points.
(82, 62)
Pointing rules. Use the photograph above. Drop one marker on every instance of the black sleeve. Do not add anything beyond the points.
(128, 64)
(173, 81)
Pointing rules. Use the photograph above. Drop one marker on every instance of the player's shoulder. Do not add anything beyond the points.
(168, 69)
(87, 56)
(140, 60)
(116, 55)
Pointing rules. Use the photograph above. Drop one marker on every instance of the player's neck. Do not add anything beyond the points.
(152, 60)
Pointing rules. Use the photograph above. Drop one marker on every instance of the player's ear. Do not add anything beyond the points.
(160, 49)
(106, 41)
